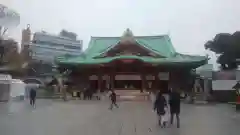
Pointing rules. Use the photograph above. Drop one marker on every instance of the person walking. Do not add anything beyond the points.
(159, 105)
(113, 98)
(174, 103)
(33, 95)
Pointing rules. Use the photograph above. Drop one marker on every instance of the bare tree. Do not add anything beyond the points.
(11, 57)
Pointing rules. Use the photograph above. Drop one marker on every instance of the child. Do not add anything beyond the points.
(113, 97)
(165, 118)
(159, 105)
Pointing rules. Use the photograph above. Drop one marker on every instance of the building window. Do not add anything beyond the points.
(67, 46)
(72, 47)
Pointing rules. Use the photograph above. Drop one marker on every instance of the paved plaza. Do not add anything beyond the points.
(55, 117)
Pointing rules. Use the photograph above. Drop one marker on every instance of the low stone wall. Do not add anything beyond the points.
(45, 93)
(224, 95)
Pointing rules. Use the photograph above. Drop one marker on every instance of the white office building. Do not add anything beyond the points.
(45, 47)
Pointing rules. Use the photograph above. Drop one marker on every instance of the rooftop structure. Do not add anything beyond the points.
(70, 35)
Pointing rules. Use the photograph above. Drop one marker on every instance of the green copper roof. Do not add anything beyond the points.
(179, 58)
(159, 44)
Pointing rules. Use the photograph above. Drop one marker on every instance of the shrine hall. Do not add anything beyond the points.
(128, 62)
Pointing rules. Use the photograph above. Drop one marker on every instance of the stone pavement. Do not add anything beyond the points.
(54, 117)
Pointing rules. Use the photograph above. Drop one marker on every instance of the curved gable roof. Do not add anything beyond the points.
(158, 44)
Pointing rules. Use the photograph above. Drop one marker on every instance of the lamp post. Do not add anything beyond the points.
(237, 89)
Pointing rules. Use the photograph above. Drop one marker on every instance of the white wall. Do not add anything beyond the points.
(223, 84)
(238, 75)
(17, 88)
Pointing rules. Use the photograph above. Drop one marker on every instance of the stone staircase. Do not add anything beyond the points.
(48, 95)
(200, 98)
(132, 95)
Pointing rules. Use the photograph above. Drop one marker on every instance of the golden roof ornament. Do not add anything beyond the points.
(127, 37)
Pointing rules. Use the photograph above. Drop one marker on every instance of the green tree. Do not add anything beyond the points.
(11, 57)
(6, 46)
(227, 46)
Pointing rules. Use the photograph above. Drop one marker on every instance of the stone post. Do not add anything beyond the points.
(206, 89)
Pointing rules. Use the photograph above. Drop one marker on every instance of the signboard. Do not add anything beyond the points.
(93, 77)
(150, 77)
(127, 77)
(128, 60)
(163, 75)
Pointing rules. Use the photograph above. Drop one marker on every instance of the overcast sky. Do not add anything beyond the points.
(190, 23)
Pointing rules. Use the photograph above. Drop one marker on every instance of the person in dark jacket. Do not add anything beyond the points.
(159, 105)
(174, 103)
(113, 98)
(33, 95)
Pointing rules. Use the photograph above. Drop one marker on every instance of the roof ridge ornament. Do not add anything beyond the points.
(127, 37)
(128, 33)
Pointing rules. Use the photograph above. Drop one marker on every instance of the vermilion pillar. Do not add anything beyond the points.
(143, 80)
(156, 81)
(112, 78)
(99, 82)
